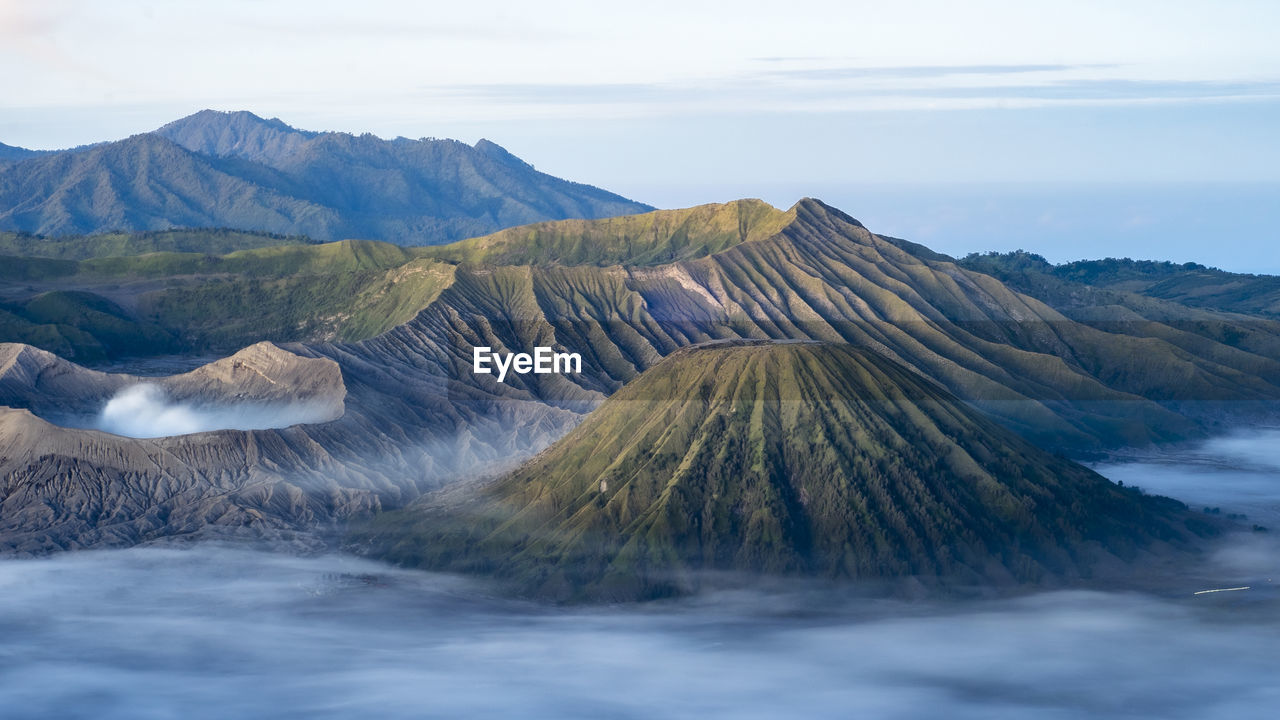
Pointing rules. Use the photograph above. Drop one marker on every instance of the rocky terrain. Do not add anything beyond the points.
(63, 487)
(624, 293)
(784, 458)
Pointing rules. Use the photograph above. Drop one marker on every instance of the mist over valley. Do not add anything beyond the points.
(208, 630)
(319, 424)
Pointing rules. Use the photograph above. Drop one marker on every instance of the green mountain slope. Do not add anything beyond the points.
(206, 241)
(82, 326)
(401, 329)
(825, 277)
(1111, 371)
(648, 239)
(1245, 338)
(1188, 284)
(805, 458)
(168, 302)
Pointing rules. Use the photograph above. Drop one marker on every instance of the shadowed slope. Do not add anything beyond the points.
(238, 170)
(147, 182)
(383, 434)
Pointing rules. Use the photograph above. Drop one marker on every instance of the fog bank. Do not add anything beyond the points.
(144, 411)
(1236, 473)
(215, 633)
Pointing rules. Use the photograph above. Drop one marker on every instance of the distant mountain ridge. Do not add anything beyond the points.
(237, 170)
(1101, 281)
(9, 152)
(236, 134)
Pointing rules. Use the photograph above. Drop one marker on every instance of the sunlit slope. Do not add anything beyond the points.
(804, 458)
(163, 302)
(1065, 369)
(647, 239)
(825, 277)
(348, 290)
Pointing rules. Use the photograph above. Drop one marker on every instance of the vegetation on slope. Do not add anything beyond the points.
(187, 301)
(1076, 368)
(1189, 284)
(1064, 383)
(206, 241)
(1245, 341)
(238, 170)
(334, 305)
(791, 458)
(1107, 368)
(654, 238)
(81, 326)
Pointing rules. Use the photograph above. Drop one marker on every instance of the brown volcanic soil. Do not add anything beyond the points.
(63, 487)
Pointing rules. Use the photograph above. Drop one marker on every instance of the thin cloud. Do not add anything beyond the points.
(919, 71)
(25, 21)
(789, 58)
(347, 29)
(843, 90)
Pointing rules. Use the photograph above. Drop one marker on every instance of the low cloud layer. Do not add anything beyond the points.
(213, 632)
(1236, 473)
(145, 411)
(216, 633)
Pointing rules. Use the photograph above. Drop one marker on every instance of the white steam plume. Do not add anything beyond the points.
(145, 411)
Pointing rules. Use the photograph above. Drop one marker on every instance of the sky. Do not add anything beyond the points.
(898, 112)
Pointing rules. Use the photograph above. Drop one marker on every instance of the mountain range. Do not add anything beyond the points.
(623, 292)
(237, 170)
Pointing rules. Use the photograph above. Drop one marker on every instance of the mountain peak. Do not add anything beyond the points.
(486, 145)
(236, 169)
(237, 133)
(228, 119)
(814, 207)
(497, 152)
(794, 458)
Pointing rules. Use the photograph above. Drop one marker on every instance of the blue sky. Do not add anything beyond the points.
(893, 110)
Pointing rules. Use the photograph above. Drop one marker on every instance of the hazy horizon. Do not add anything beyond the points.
(680, 103)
